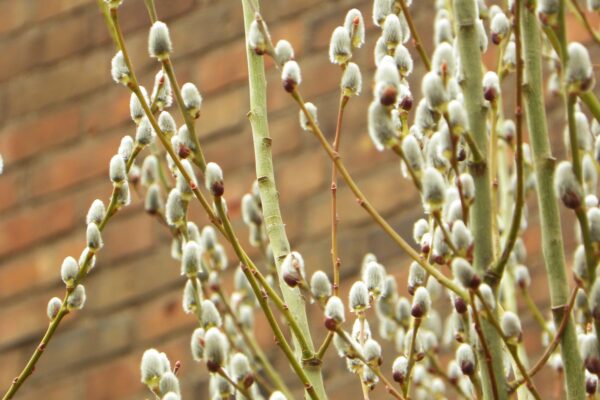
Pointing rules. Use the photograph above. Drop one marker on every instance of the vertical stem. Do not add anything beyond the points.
(465, 13)
(335, 259)
(552, 244)
(269, 196)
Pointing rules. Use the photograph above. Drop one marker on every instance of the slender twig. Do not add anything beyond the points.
(438, 221)
(533, 308)
(388, 385)
(434, 365)
(487, 354)
(198, 158)
(151, 10)
(566, 308)
(576, 8)
(411, 356)
(63, 311)
(281, 341)
(512, 348)
(256, 350)
(415, 34)
(364, 203)
(335, 259)
(397, 149)
(236, 385)
(494, 275)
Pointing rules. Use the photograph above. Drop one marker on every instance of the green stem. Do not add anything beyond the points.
(544, 162)
(481, 214)
(261, 297)
(270, 197)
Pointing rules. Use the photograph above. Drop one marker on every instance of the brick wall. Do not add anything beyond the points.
(61, 119)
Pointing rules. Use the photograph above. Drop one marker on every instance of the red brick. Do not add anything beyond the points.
(161, 315)
(74, 165)
(106, 111)
(13, 15)
(10, 188)
(34, 224)
(27, 138)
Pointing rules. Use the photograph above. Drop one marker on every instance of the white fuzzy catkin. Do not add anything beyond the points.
(53, 308)
(159, 41)
(192, 99)
(355, 24)
(381, 9)
(118, 69)
(162, 95)
(284, 51)
(76, 299)
(499, 27)
(69, 270)
(404, 60)
(166, 123)
(151, 367)
(511, 325)
(566, 185)
(358, 297)
(320, 286)
(214, 179)
(392, 31)
(334, 310)
(465, 359)
(312, 110)
(174, 211)
(443, 60)
(491, 86)
(464, 273)
(580, 72)
(421, 303)
(126, 147)
(351, 83)
(144, 134)
(374, 277)
(593, 5)
(117, 169)
(277, 395)
(215, 349)
(434, 189)
(191, 259)
(290, 75)
(210, 315)
(380, 126)
(169, 383)
(256, 39)
(93, 237)
(434, 91)
(292, 268)
(340, 46)
(197, 344)
(96, 212)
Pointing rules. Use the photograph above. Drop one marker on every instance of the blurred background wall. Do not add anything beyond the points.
(61, 119)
